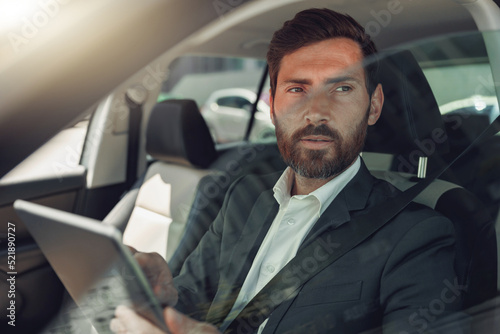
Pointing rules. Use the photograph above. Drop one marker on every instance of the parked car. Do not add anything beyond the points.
(474, 105)
(61, 61)
(227, 112)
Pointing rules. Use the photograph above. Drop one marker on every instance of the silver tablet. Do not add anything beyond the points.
(89, 258)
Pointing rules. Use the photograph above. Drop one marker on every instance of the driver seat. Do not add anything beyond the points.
(411, 129)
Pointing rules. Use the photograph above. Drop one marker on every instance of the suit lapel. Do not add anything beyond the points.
(254, 231)
(352, 198)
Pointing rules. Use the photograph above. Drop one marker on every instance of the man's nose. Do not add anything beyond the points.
(318, 109)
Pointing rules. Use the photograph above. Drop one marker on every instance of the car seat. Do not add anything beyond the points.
(479, 170)
(154, 212)
(411, 128)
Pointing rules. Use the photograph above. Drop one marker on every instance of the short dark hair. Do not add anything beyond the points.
(316, 25)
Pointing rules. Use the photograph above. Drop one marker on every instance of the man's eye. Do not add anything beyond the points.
(296, 90)
(343, 89)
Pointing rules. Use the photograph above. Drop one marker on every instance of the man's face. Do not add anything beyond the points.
(321, 108)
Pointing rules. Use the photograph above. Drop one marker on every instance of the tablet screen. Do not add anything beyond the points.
(98, 271)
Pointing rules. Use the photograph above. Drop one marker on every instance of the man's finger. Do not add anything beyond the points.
(178, 323)
(117, 326)
(151, 263)
(158, 274)
(132, 249)
(127, 321)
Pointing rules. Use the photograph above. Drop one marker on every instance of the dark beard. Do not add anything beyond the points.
(313, 163)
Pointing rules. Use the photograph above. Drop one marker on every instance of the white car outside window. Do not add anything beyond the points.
(227, 112)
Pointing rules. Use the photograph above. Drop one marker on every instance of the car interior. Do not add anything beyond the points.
(100, 116)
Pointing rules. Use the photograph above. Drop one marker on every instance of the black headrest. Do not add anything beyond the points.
(178, 133)
(410, 121)
(463, 128)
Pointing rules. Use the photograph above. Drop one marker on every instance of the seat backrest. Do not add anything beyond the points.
(479, 169)
(410, 127)
(179, 139)
(476, 250)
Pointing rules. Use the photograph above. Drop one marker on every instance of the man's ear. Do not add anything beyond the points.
(376, 104)
(271, 103)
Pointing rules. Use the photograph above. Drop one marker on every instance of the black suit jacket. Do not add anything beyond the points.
(400, 279)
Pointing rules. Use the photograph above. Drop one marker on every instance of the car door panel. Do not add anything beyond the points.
(23, 267)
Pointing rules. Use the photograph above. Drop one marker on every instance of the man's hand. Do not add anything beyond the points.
(158, 274)
(128, 322)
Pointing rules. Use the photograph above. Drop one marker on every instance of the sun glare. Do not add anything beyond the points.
(12, 12)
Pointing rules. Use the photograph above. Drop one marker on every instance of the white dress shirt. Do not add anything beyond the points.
(295, 218)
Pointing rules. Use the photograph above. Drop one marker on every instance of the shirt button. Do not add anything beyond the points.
(270, 268)
(291, 221)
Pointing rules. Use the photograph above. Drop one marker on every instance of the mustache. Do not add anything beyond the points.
(320, 130)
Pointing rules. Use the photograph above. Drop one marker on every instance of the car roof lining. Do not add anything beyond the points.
(249, 37)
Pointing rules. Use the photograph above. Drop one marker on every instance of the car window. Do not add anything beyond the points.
(224, 89)
(460, 76)
(57, 158)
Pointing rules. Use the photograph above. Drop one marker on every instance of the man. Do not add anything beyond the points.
(321, 105)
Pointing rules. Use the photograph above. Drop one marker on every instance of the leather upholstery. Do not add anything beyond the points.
(162, 206)
(178, 133)
(410, 114)
(476, 262)
(154, 213)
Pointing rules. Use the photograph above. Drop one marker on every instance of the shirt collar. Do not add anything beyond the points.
(283, 187)
(325, 194)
